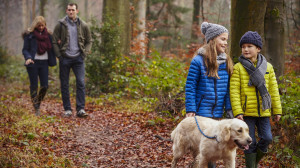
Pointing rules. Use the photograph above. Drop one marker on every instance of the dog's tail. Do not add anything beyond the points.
(173, 134)
(162, 138)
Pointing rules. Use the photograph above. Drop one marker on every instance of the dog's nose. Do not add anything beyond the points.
(249, 141)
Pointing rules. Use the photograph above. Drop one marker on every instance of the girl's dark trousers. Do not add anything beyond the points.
(38, 70)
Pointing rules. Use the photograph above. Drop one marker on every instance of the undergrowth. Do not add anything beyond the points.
(287, 132)
(27, 140)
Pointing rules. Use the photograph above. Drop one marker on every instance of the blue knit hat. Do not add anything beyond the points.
(251, 37)
(211, 30)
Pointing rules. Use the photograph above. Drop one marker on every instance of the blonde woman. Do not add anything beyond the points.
(207, 84)
(38, 53)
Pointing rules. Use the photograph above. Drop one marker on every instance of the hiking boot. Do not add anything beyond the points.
(81, 113)
(250, 160)
(259, 156)
(68, 113)
(37, 112)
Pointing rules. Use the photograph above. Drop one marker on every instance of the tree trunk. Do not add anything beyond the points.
(86, 10)
(202, 10)
(196, 15)
(274, 35)
(25, 14)
(148, 27)
(141, 25)
(33, 9)
(265, 17)
(6, 24)
(120, 10)
(246, 15)
(42, 7)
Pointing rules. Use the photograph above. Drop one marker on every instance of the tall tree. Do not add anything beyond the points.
(295, 12)
(6, 4)
(33, 9)
(265, 17)
(42, 7)
(25, 13)
(196, 15)
(139, 27)
(274, 35)
(120, 10)
(86, 10)
(245, 15)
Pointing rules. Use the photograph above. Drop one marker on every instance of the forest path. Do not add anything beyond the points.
(110, 138)
(113, 138)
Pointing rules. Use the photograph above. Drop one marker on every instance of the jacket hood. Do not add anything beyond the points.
(64, 20)
(221, 58)
(25, 33)
(201, 51)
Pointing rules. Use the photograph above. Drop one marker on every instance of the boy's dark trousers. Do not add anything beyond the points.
(264, 133)
(36, 71)
(257, 150)
(77, 65)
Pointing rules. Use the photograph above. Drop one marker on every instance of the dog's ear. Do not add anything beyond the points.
(225, 133)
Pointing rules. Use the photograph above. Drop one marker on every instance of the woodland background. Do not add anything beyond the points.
(140, 57)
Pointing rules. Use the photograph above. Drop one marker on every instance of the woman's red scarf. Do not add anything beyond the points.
(43, 41)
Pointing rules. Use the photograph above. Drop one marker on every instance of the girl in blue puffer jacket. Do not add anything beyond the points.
(207, 85)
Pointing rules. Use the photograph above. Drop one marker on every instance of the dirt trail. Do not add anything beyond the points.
(108, 138)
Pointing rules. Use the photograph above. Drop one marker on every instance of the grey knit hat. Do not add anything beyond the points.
(211, 30)
(251, 37)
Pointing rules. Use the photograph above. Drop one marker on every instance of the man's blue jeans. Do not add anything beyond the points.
(264, 133)
(77, 65)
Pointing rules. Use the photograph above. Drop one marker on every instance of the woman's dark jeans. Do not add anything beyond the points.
(38, 71)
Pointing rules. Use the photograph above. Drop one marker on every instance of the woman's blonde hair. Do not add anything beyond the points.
(210, 59)
(37, 20)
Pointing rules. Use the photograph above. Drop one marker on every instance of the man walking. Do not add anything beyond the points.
(72, 43)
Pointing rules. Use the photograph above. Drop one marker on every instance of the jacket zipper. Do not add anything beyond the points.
(245, 104)
(216, 97)
(258, 105)
(200, 103)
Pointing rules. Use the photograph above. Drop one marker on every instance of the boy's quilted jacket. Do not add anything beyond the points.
(246, 100)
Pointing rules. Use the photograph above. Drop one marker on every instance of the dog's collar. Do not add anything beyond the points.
(209, 137)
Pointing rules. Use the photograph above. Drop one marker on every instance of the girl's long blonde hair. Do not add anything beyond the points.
(37, 20)
(210, 60)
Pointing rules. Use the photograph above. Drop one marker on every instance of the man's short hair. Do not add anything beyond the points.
(72, 4)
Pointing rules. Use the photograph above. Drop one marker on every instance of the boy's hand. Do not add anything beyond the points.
(277, 117)
(241, 117)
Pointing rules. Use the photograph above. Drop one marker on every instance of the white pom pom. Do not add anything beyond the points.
(204, 27)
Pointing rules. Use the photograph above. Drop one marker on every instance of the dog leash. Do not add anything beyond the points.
(209, 137)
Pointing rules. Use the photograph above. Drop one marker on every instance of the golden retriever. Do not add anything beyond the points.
(229, 133)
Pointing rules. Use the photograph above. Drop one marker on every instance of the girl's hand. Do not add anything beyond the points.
(29, 61)
(190, 114)
(241, 117)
